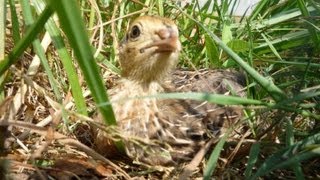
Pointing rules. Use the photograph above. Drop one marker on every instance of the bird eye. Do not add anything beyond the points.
(135, 32)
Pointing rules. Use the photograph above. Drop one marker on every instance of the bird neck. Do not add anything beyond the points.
(145, 76)
(144, 83)
(146, 70)
(134, 87)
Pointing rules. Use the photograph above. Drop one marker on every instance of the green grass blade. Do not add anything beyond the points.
(258, 10)
(302, 150)
(226, 32)
(268, 85)
(26, 10)
(289, 133)
(92, 18)
(15, 22)
(286, 41)
(290, 141)
(253, 158)
(313, 3)
(30, 35)
(160, 7)
(293, 63)
(273, 49)
(212, 98)
(286, 16)
(2, 29)
(212, 162)
(65, 58)
(304, 10)
(101, 58)
(2, 55)
(212, 52)
(279, 161)
(74, 29)
(298, 98)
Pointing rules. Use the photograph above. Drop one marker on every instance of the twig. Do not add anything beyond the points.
(191, 167)
(66, 141)
(121, 17)
(236, 149)
(113, 31)
(92, 153)
(100, 43)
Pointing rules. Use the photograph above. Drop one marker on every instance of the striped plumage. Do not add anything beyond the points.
(162, 132)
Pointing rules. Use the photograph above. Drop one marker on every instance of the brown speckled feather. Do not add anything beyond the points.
(164, 132)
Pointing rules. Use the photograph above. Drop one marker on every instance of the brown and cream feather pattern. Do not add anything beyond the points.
(162, 132)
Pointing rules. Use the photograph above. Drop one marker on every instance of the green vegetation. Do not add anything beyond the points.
(277, 46)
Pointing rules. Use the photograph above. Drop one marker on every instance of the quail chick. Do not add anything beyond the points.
(163, 132)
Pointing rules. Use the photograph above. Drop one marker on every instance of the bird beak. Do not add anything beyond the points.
(169, 41)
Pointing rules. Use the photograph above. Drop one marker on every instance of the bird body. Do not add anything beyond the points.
(163, 132)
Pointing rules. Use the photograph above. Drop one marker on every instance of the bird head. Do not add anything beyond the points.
(150, 49)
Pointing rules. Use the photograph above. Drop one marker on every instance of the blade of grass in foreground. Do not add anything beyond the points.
(74, 29)
(15, 22)
(212, 98)
(110, 66)
(290, 141)
(30, 35)
(2, 29)
(304, 10)
(212, 162)
(253, 157)
(276, 93)
(2, 55)
(298, 152)
(257, 10)
(65, 59)
(26, 10)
